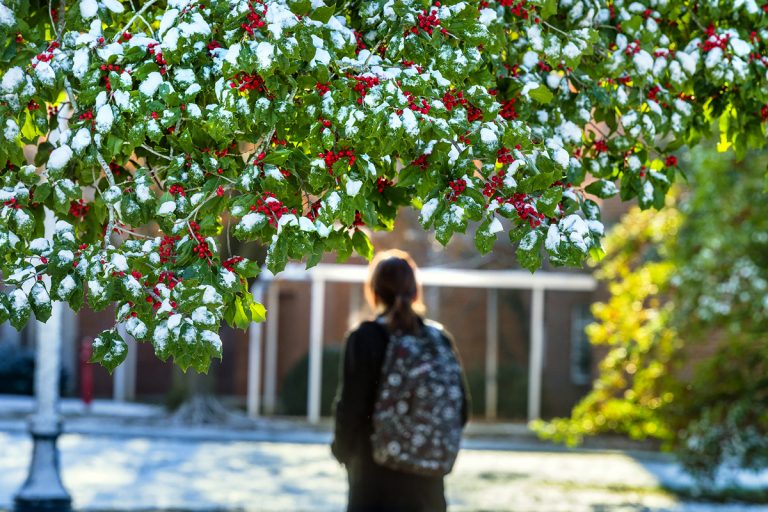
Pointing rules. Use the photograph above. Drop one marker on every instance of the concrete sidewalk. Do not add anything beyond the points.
(133, 457)
(121, 419)
(138, 473)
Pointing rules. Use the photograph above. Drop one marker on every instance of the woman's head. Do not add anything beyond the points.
(393, 288)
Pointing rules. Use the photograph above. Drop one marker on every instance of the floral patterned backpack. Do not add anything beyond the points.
(417, 418)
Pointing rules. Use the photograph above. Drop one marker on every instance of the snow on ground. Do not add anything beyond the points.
(132, 473)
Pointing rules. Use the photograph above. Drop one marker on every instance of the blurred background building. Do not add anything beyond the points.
(568, 362)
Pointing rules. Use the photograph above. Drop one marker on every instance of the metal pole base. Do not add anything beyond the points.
(43, 490)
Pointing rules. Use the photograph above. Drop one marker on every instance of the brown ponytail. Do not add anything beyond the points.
(393, 287)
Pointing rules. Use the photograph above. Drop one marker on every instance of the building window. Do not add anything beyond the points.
(581, 349)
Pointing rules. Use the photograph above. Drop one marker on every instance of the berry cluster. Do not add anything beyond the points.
(322, 88)
(600, 146)
(518, 9)
(12, 203)
(159, 59)
(167, 248)
(632, 48)
(169, 279)
(410, 64)
(513, 70)
(325, 122)
(664, 52)
(330, 157)
(452, 99)
(218, 153)
(212, 46)
(202, 249)
(421, 162)
(255, 20)
(177, 190)
(153, 297)
(383, 183)
(423, 108)
(504, 155)
(764, 113)
(359, 42)
(525, 210)
(78, 208)
(493, 184)
(508, 111)
(714, 40)
(87, 116)
(363, 85)
(116, 169)
(47, 55)
(33, 105)
(314, 210)
(427, 22)
(457, 187)
(231, 262)
(671, 161)
(107, 69)
(653, 92)
(271, 207)
(473, 113)
(358, 222)
(245, 82)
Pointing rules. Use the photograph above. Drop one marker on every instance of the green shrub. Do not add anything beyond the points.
(512, 391)
(293, 393)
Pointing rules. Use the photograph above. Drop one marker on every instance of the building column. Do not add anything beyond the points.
(124, 376)
(317, 312)
(270, 364)
(253, 398)
(491, 354)
(536, 357)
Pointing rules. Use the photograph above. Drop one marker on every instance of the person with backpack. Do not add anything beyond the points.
(402, 404)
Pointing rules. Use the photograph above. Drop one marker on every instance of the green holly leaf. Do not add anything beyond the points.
(602, 189)
(109, 350)
(362, 245)
(19, 309)
(529, 250)
(547, 203)
(41, 302)
(484, 239)
(548, 8)
(542, 94)
(323, 14)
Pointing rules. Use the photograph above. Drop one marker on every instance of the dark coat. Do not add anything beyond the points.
(374, 488)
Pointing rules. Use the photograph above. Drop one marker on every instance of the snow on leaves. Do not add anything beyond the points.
(303, 128)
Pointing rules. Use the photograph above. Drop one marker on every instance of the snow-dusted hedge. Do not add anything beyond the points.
(301, 125)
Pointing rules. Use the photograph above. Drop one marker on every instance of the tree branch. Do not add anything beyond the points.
(160, 155)
(135, 16)
(53, 24)
(110, 206)
(71, 95)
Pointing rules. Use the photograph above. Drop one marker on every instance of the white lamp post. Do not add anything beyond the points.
(43, 490)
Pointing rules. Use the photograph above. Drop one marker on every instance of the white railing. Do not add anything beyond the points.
(491, 280)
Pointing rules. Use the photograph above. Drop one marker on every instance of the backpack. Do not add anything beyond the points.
(417, 417)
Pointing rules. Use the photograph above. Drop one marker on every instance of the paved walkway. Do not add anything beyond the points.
(132, 457)
(142, 473)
